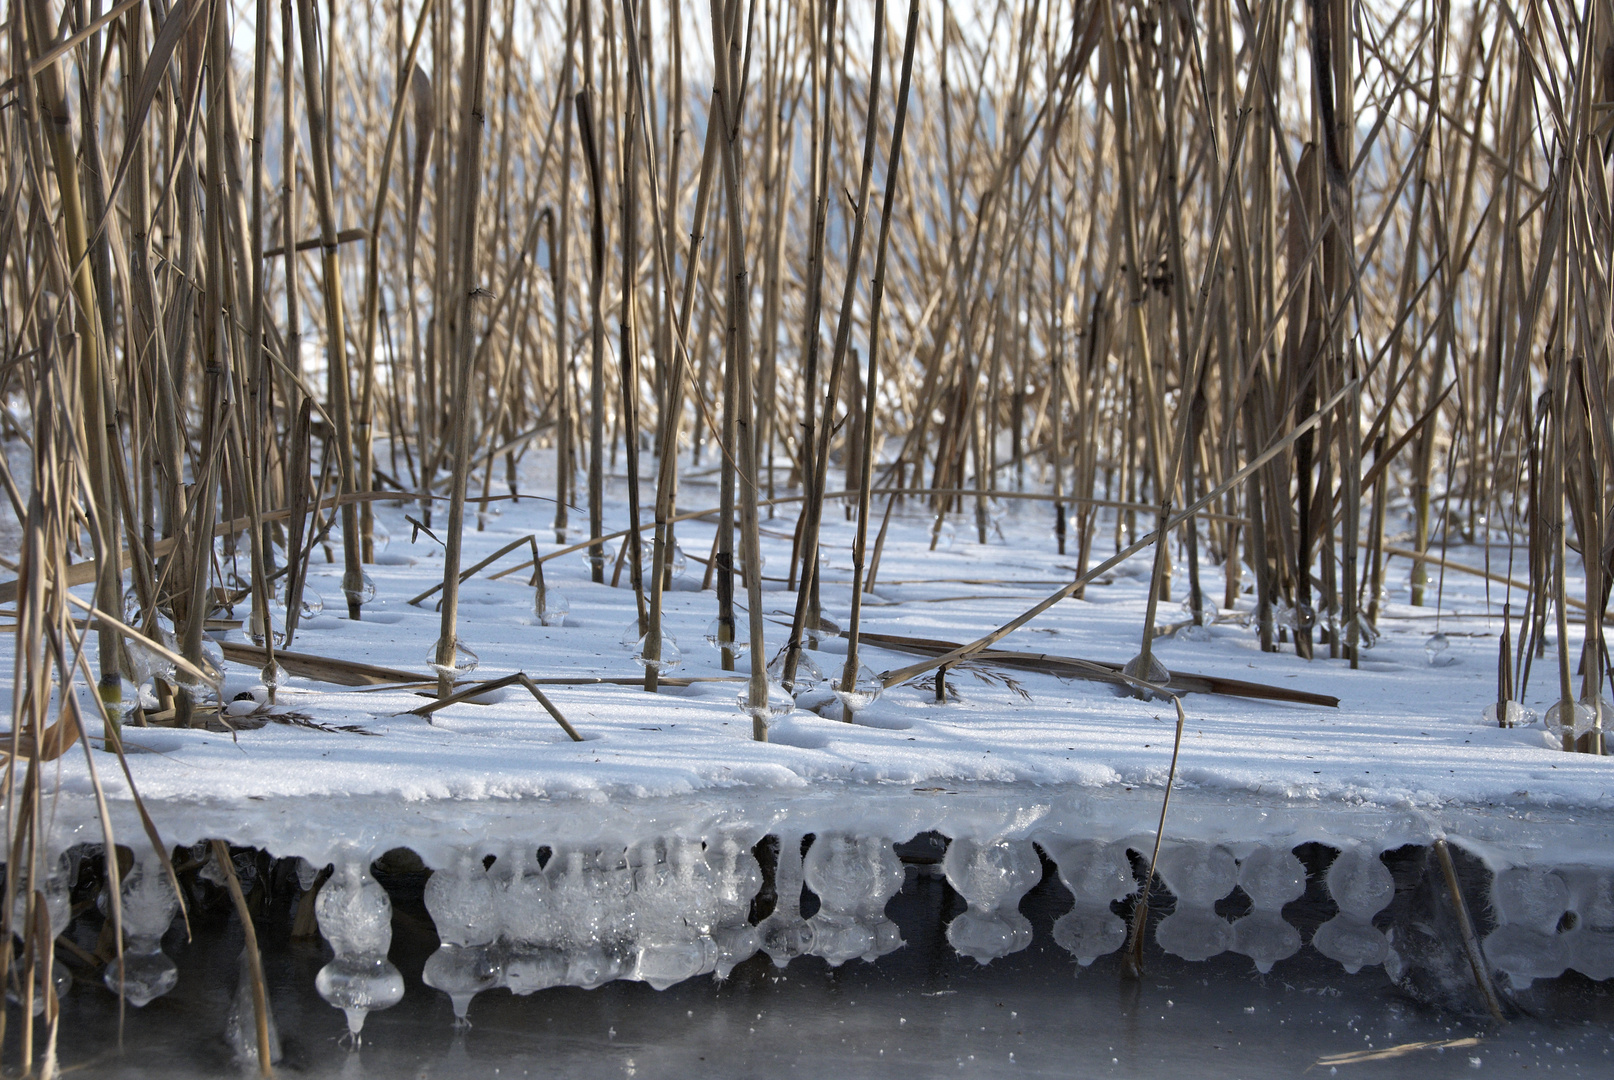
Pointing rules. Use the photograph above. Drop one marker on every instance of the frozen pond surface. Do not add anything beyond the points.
(922, 1010)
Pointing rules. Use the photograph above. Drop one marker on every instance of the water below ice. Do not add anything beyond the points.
(922, 1010)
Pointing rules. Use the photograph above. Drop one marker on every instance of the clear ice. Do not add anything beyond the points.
(460, 901)
(1270, 877)
(784, 934)
(59, 913)
(241, 1026)
(1529, 904)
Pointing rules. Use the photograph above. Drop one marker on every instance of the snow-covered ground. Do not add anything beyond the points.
(1406, 734)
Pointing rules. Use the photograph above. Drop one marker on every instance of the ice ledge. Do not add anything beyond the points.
(320, 828)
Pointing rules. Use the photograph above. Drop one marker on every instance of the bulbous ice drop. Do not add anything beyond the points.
(359, 985)
(464, 661)
(58, 903)
(778, 703)
(1515, 715)
(669, 656)
(551, 607)
(1198, 874)
(736, 880)
(354, 912)
(809, 675)
(144, 974)
(1194, 933)
(1530, 898)
(149, 906)
(1435, 649)
(1354, 942)
(732, 642)
(461, 902)
(785, 935)
(1525, 954)
(994, 874)
(866, 687)
(359, 590)
(1579, 720)
(992, 877)
(1089, 931)
(1155, 672)
(1266, 938)
(1359, 882)
(526, 915)
(854, 877)
(461, 972)
(263, 625)
(1094, 872)
(1271, 877)
(146, 662)
(848, 872)
(355, 915)
(985, 937)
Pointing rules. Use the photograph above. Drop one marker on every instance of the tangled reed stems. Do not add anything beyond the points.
(1334, 276)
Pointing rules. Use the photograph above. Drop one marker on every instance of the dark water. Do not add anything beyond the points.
(919, 1012)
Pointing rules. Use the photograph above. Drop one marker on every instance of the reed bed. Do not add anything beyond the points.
(1294, 286)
